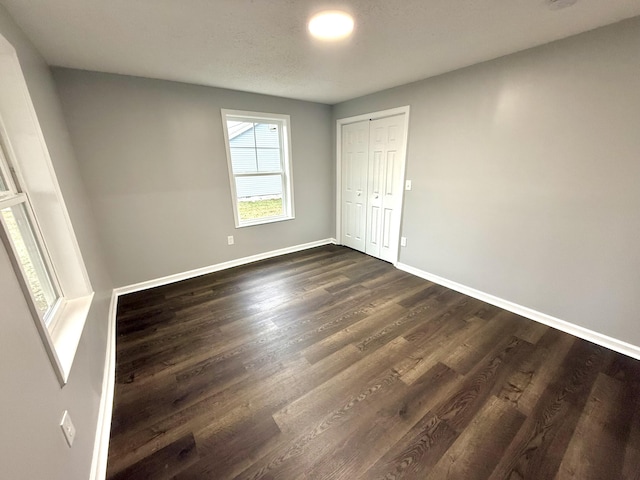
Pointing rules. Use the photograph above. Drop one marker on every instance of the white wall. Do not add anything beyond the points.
(152, 153)
(32, 446)
(526, 177)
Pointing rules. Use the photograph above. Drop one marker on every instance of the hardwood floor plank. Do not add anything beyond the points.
(425, 315)
(529, 381)
(431, 349)
(458, 308)
(425, 322)
(293, 459)
(163, 464)
(352, 333)
(627, 371)
(423, 446)
(596, 449)
(283, 388)
(631, 465)
(133, 408)
(541, 443)
(429, 290)
(384, 424)
(465, 353)
(232, 450)
(530, 331)
(167, 361)
(349, 386)
(212, 411)
(476, 452)
(426, 444)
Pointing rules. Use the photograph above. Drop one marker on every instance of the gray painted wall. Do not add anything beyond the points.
(31, 443)
(153, 156)
(526, 177)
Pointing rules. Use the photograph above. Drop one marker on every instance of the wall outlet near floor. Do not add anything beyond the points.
(403, 241)
(230, 240)
(67, 428)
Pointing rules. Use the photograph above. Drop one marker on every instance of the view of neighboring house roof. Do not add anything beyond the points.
(236, 128)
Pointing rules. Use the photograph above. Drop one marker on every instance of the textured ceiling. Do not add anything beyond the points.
(262, 45)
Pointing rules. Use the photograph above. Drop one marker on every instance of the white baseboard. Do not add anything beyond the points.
(177, 277)
(103, 430)
(568, 327)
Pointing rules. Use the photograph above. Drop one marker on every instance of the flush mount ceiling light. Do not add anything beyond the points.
(331, 25)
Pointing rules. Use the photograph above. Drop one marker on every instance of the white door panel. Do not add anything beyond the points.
(387, 233)
(390, 180)
(355, 147)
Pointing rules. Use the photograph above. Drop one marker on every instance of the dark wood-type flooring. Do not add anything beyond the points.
(329, 364)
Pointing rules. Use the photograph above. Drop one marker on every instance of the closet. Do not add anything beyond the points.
(372, 171)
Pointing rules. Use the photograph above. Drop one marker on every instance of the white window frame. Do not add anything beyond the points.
(284, 121)
(28, 170)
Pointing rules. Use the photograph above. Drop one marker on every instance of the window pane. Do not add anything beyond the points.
(258, 186)
(259, 196)
(269, 160)
(267, 135)
(243, 160)
(254, 209)
(29, 255)
(4, 185)
(241, 134)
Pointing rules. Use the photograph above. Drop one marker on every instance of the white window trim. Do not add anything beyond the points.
(28, 155)
(287, 201)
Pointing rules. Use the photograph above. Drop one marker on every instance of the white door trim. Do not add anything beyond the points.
(358, 118)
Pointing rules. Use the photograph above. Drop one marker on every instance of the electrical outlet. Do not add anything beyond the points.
(403, 241)
(230, 240)
(67, 428)
(407, 185)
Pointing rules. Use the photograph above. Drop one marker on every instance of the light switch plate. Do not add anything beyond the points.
(230, 240)
(407, 185)
(67, 428)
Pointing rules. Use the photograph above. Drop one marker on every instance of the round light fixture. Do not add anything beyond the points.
(331, 25)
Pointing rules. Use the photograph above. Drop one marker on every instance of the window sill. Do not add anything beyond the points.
(66, 333)
(262, 221)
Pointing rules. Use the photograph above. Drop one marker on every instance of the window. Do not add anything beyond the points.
(35, 228)
(258, 153)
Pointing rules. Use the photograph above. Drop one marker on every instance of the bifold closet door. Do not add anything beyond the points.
(355, 158)
(372, 152)
(384, 186)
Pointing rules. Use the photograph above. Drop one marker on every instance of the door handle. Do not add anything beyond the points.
(359, 193)
(376, 196)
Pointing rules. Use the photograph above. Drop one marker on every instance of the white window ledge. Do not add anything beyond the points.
(261, 221)
(66, 333)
